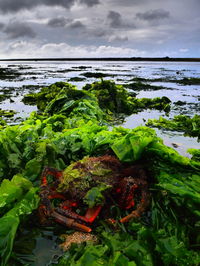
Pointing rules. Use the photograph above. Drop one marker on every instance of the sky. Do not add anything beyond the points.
(99, 28)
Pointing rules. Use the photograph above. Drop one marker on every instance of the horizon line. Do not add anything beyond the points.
(166, 58)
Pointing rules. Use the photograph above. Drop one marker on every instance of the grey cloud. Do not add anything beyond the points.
(152, 15)
(127, 2)
(90, 2)
(65, 22)
(115, 19)
(17, 29)
(1, 25)
(58, 22)
(76, 25)
(99, 33)
(158, 22)
(16, 5)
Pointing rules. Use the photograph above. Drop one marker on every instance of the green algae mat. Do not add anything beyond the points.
(72, 124)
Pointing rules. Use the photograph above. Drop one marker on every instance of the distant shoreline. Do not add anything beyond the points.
(157, 59)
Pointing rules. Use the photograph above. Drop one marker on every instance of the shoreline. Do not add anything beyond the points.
(133, 59)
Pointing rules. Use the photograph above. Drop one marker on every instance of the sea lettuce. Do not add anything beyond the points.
(10, 191)
(131, 147)
(77, 124)
(10, 221)
(195, 154)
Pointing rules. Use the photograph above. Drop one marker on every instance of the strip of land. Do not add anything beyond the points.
(165, 59)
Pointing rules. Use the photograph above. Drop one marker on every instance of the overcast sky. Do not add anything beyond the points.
(99, 28)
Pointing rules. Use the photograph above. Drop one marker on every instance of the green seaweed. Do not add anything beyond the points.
(2, 122)
(184, 81)
(159, 103)
(96, 75)
(76, 79)
(112, 97)
(7, 113)
(190, 126)
(70, 128)
(195, 154)
(47, 94)
(139, 86)
(8, 73)
(20, 192)
(103, 101)
(190, 81)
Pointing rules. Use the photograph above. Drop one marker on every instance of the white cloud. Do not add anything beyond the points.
(183, 50)
(25, 49)
(118, 38)
(63, 49)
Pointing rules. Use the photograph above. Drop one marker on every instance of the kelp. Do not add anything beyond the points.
(20, 192)
(190, 126)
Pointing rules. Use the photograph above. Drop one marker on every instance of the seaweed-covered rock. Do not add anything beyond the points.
(139, 86)
(159, 103)
(76, 79)
(8, 73)
(102, 100)
(111, 96)
(190, 81)
(96, 75)
(47, 94)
